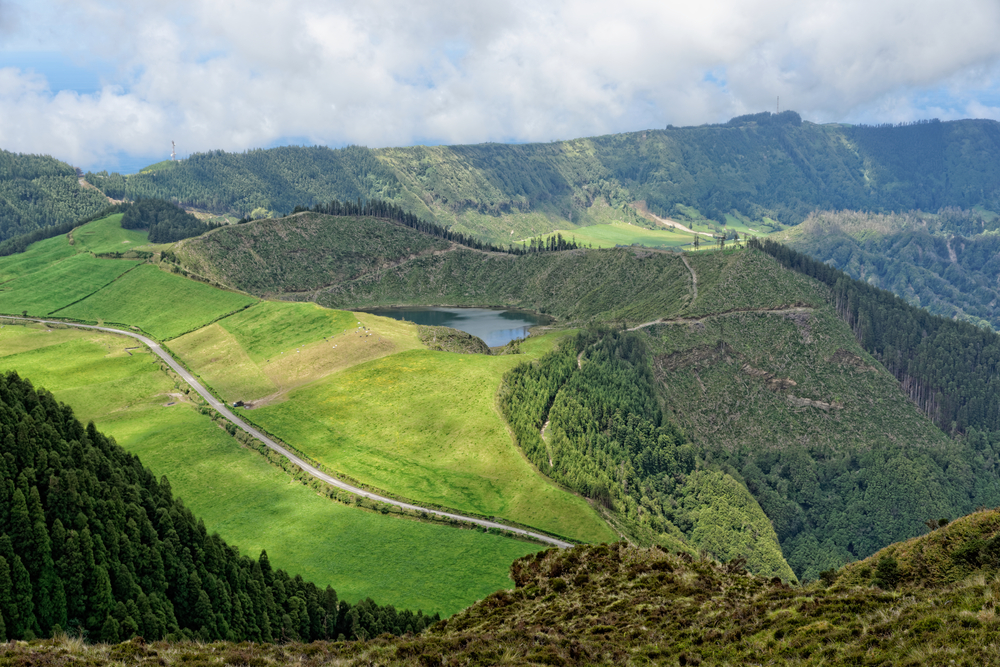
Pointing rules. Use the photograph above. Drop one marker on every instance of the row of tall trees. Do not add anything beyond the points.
(377, 208)
(91, 543)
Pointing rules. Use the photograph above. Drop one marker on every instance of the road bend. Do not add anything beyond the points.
(315, 472)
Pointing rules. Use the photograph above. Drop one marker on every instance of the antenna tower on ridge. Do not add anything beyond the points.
(173, 151)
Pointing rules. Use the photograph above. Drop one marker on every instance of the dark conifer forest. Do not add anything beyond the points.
(165, 221)
(91, 543)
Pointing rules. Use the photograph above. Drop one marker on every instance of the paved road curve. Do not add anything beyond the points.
(318, 474)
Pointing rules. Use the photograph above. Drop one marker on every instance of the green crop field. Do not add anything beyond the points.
(272, 347)
(163, 304)
(246, 500)
(424, 425)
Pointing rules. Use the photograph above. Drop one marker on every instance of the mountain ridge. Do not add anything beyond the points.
(761, 167)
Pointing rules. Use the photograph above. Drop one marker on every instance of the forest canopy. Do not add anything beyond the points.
(91, 543)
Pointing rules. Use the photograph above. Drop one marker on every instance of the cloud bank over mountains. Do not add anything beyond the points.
(234, 75)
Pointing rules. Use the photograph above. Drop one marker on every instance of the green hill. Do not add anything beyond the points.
(760, 168)
(39, 191)
(248, 498)
(758, 366)
(740, 383)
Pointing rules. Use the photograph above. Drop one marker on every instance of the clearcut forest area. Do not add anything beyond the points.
(796, 411)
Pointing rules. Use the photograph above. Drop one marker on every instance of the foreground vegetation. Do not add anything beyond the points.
(621, 605)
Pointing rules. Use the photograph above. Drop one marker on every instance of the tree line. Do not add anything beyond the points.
(165, 221)
(91, 543)
(377, 208)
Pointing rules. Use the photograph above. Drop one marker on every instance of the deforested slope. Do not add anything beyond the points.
(628, 285)
(820, 432)
(353, 262)
(303, 252)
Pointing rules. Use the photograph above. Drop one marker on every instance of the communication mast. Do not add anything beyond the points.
(173, 152)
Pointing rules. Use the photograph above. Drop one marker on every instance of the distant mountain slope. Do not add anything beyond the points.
(40, 191)
(946, 262)
(760, 166)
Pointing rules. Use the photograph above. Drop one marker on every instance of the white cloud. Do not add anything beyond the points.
(232, 75)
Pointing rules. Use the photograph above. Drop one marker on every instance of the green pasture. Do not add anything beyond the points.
(274, 346)
(249, 502)
(39, 255)
(106, 235)
(57, 285)
(425, 426)
(271, 327)
(622, 233)
(163, 304)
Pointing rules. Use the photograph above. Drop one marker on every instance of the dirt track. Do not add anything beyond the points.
(695, 320)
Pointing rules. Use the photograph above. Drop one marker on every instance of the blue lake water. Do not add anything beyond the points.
(495, 327)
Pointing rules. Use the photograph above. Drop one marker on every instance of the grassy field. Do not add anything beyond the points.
(425, 426)
(622, 233)
(56, 285)
(272, 347)
(163, 304)
(106, 235)
(38, 256)
(250, 503)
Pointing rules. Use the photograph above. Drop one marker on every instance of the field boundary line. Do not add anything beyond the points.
(98, 289)
(223, 410)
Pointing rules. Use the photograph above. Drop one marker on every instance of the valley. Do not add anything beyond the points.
(735, 415)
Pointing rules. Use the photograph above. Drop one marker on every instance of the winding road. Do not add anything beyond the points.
(318, 474)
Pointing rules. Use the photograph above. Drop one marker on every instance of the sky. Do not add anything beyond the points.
(108, 84)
